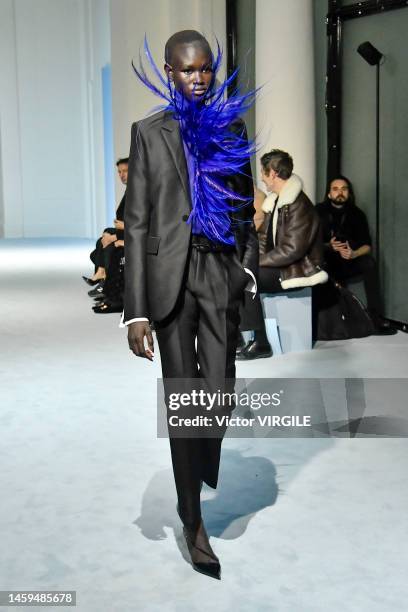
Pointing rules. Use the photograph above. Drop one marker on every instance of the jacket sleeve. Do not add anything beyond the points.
(136, 219)
(262, 232)
(296, 234)
(250, 259)
(245, 187)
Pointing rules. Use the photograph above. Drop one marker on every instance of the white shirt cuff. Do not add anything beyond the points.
(126, 323)
(252, 286)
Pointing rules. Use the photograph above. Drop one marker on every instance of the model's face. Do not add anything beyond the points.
(268, 179)
(190, 70)
(339, 192)
(123, 173)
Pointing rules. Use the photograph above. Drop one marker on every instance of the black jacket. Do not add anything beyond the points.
(120, 214)
(350, 224)
(158, 203)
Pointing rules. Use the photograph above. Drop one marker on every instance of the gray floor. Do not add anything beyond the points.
(300, 525)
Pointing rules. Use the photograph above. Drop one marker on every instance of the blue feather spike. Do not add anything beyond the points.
(217, 152)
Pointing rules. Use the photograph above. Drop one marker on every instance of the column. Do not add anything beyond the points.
(285, 112)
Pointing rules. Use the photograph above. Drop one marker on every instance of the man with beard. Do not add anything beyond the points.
(348, 246)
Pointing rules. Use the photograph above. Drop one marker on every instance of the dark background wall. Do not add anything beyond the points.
(387, 32)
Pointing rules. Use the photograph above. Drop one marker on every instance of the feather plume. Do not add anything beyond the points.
(216, 150)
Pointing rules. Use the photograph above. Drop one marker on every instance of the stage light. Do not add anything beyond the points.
(373, 57)
(370, 53)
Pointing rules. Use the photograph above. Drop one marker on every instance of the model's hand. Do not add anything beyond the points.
(119, 243)
(119, 225)
(137, 332)
(347, 252)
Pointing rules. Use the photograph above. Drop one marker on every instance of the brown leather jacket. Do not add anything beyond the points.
(298, 250)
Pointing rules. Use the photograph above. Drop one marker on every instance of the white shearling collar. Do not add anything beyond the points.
(288, 195)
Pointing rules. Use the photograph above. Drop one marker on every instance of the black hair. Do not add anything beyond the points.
(340, 177)
(278, 160)
(122, 160)
(185, 37)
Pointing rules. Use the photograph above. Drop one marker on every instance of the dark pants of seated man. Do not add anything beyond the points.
(252, 316)
(115, 281)
(100, 256)
(343, 269)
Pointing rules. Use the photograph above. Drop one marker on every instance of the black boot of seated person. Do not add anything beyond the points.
(98, 291)
(240, 344)
(90, 281)
(255, 349)
(107, 307)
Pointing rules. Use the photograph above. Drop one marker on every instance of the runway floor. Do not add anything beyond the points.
(87, 493)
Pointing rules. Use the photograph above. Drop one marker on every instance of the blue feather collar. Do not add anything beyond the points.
(217, 152)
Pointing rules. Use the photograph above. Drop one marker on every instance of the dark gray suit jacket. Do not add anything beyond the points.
(158, 202)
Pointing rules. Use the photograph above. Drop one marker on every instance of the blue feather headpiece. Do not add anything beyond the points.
(216, 151)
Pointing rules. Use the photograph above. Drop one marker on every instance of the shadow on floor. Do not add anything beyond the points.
(246, 486)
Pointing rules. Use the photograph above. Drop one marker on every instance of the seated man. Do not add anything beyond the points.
(290, 246)
(105, 245)
(348, 246)
(111, 298)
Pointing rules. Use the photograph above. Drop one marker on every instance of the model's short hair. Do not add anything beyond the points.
(340, 177)
(279, 161)
(185, 37)
(122, 160)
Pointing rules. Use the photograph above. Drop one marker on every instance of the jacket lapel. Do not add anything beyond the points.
(172, 136)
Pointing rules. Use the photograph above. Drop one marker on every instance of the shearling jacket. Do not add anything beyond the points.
(298, 248)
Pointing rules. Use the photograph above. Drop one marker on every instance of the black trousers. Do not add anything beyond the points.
(252, 317)
(365, 266)
(115, 279)
(100, 256)
(198, 340)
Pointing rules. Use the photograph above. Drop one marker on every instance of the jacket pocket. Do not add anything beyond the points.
(152, 245)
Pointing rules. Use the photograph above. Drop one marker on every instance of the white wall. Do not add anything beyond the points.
(97, 53)
(159, 19)
(11, 198)
(285, 112)
(56, 186)
(50, 113)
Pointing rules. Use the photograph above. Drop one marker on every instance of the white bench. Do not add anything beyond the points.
(288, 320)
